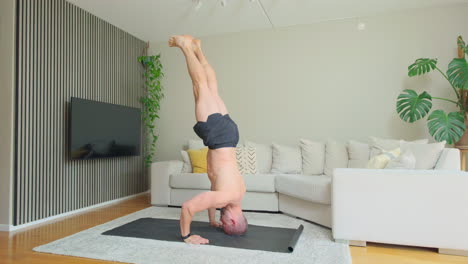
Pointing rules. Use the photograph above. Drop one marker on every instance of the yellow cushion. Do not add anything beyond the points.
(380, 161)
(198, 159)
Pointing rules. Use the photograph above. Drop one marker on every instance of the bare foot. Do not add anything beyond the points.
(181, 41)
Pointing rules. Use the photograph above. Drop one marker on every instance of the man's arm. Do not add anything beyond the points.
(212, 214)
(203, 201)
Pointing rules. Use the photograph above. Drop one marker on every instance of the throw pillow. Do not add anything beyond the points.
(336, 156)
(426, 154)
(381, 160)
(246, 160)
(406, 160)
(187, 167)
(378, 145)
(264, 156)
(195, 144)
(359, 154)
(313, 157)
(286, 159)
(198, 158)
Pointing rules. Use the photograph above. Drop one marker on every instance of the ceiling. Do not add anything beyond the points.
(156, 20)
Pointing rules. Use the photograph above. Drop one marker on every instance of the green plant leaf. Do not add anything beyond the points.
(411, 107)
(446, 127)
(457, 73)
(421, 66)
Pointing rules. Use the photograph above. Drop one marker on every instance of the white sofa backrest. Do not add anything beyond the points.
(448, 160)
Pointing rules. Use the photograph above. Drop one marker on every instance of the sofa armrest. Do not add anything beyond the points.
(449, 159)
(160, 173)
(410, 207)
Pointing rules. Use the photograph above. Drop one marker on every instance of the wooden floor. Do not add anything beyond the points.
(17, 247)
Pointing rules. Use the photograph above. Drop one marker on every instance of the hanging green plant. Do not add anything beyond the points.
(151, 101)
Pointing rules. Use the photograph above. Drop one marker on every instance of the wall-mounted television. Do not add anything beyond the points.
(102, 130)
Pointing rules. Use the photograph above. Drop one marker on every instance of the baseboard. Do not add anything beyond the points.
(455, 252)
(358, 243)
(12, 228)
(4, 228)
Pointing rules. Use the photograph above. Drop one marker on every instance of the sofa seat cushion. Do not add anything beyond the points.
(310, 188)
(200, 181)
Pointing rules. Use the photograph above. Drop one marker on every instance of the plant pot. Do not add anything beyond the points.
(463, 142)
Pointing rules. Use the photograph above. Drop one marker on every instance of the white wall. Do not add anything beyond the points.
(319, 81)
(7, 51)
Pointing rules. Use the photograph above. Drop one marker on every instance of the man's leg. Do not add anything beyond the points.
(210, 75)
(205, 102)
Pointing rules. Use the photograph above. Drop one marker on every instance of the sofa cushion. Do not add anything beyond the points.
(246, 160)
(336, 156)
(359, 154)
(381, 160)
(264, 156)
(406, 161)
(286, 159)
(378, 145)
(187, 167)
(313, 157)
(198, 159)
(426, 155)
(200, 181)
(310, 188)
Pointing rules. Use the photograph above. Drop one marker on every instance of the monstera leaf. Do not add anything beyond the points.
(446, 127)
(412, 106)
(458, 73)
(421, 66)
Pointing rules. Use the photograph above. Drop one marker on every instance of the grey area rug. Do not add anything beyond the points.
(314, 246)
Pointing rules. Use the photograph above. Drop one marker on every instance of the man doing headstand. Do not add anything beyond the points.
(221, 135)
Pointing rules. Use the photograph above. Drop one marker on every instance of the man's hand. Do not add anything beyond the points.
(196, 240)
(216, 224)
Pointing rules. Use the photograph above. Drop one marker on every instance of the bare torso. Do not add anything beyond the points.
(224, 173)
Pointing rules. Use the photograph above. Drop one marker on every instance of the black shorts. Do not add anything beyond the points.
(219, 131)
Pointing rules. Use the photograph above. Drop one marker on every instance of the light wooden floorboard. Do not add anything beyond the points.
(17, 247)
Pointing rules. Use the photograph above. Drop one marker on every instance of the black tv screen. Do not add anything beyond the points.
(100, 130)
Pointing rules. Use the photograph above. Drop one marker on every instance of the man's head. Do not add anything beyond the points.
(234, 221)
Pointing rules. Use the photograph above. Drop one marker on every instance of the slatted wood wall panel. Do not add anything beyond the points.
(64, 51)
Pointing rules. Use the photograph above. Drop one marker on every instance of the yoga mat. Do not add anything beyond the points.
(265, 238)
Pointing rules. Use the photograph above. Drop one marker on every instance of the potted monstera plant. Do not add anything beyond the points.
(412, 106)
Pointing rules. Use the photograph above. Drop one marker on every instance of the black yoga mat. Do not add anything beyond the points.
(257, 237)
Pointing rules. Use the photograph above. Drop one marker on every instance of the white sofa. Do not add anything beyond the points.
(305, 196)
(427, 208)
